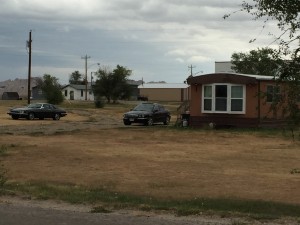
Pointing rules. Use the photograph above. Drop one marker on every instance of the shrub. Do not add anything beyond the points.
(99, 103)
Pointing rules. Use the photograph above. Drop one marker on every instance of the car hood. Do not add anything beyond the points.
(137, 112)
(19, 109)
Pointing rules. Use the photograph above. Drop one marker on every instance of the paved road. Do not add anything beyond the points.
(26, 214)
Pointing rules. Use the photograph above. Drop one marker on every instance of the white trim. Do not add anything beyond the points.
(213, 98)
(163, 85)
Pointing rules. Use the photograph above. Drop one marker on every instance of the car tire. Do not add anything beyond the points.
(167, 121)
(14, 117)
(150, 122)
(127, 123)
(56, 116)
(31, 116)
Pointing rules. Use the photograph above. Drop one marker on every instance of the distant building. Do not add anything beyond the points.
(164, 91)
(223, 67)
(134, 87)
(37, 93)
(18, 85)
(10, 96)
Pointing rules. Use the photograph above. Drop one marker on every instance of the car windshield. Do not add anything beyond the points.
(34, 106)
(144, 107)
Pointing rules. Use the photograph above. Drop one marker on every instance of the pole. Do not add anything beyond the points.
(191, 67)
(86, 79)
(29, 68)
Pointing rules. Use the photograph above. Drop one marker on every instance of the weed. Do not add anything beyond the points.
(3, 150)
(3, 177)
(295, 171)
(100, 209)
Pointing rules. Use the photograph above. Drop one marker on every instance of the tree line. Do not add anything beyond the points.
(110, 84)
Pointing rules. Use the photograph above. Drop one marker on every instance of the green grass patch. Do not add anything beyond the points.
(3, 150)
(80, 195)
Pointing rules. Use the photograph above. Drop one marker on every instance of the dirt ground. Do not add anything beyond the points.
(92, 147)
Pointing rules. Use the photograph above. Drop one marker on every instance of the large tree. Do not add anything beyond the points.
(113, 84)
(76, 78)
(51, 89)
(286, 13)
(259, 62)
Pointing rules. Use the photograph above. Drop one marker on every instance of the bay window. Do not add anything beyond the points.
(224, 98)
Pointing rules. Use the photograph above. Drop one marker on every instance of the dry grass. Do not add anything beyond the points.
(153, 161)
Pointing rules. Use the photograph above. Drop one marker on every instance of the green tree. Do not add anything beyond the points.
(113, 84)
(286, 14)
(51, 89)
(259, 62)
(76, 78)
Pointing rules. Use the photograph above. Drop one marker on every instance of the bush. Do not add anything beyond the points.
(99, 103)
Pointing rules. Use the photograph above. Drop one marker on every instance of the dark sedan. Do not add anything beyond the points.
(37, 110)
(147, 114)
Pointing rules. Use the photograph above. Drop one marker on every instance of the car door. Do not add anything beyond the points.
(38, 110)
(47, 111)
(156, 114)
(162, 114)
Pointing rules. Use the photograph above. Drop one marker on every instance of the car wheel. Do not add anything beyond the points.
(167, 120)
(31, 116)
(41, 118)
(15, 117)
(150, 122)
(127, 123)
(56, 116)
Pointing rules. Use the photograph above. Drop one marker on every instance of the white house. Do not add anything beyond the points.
(78, 92)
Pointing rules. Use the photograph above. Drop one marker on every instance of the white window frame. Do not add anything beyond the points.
(213, 98)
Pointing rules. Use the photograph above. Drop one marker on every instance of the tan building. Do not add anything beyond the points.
(164, 92)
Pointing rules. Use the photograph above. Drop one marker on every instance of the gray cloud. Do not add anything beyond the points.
(155, 38)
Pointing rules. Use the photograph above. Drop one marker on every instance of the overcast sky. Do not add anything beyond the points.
(156, 39)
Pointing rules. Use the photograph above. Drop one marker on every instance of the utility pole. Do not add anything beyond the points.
(29, 67)
(191, 67)
(86, 80)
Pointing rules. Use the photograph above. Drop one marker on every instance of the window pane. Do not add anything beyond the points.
(236, 104)
(237, 92)
(221, 91)
(208, 91)
(221, 104)
(207, 104)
